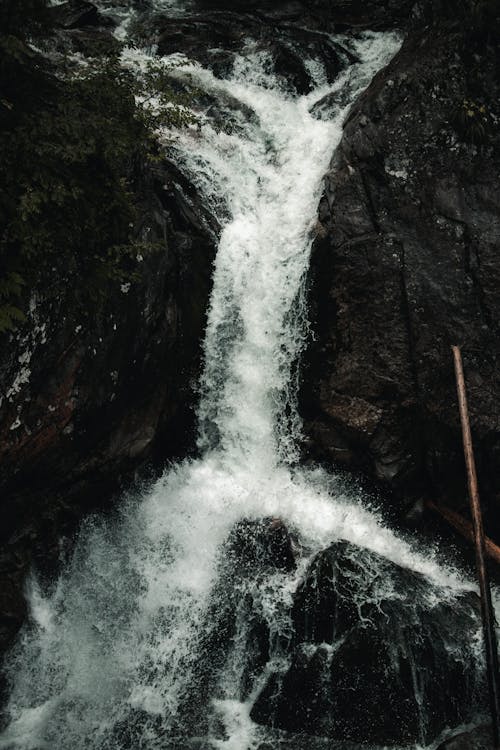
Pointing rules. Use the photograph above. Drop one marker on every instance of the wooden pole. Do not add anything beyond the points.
(488, 615)
(464, 527)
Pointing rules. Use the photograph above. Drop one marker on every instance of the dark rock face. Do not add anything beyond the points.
(214, 38)
(75, 14)
(290, 33)
(366, 635)
(480, 738)
(332, 14)
(235, 627)
(256, 546)
(406, 264)
(89, 398)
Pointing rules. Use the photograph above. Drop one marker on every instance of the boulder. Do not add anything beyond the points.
(235, 634)
(379, 655)
(90, 41)
(75, 14)
(254, 547)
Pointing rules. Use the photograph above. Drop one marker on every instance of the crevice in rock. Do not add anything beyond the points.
(471, 250)
(406, 312)
(370, 204)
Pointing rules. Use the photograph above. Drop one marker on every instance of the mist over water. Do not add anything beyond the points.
(112, 657)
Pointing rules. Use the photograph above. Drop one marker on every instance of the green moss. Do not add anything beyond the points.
(472, 122)
(71, 146)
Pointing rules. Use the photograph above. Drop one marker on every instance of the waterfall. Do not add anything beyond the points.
(114, 655)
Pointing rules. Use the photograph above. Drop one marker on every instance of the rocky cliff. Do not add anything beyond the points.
(406, 264)
(89, 399)
(99, 380)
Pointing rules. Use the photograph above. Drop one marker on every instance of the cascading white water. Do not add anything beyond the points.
(120, 634)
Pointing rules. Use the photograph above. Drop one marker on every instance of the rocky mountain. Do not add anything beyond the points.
(404, 264)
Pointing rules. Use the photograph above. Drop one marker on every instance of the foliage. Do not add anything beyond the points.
(11, 286)
(472, 122)
(72, 147)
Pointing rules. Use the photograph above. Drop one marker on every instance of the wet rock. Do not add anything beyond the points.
(332, 14)
(236, 637)
(227, 113)
(479, 738)
(279, 740)
(88, 397)
(290, 58)
(256, 546)
(92, 42)
(365, 627)
(75, 14)
(328, 105)
(406, 264)
(214, 39)
(210, 41)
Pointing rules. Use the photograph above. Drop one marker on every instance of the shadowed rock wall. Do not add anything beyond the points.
(89, 398)
(407, 263)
